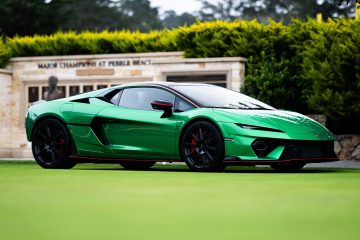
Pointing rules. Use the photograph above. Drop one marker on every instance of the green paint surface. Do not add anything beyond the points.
(169, 202)
(100, 129)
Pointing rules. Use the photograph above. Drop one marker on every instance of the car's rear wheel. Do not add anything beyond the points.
(137, 165)
(288, 166)
(202, 147)
(51, 145)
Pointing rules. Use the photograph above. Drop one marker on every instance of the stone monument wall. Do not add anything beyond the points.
(26, 80)
(347, 147)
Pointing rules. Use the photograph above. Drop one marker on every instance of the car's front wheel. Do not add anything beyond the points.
(51, 145)
(288, 166)
(202, 147)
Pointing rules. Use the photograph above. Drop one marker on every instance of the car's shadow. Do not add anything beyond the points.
(244, 169)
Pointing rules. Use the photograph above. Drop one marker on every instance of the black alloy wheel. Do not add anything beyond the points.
(288, 166)
(202, 147)
(51, 145)
(137, 165)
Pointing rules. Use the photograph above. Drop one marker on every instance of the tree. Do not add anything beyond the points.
(26, 17)
(224, 10)
(279, 10)
(172, 20)
(97, 15)
(29, 17)
(138, 15)
(94, 15)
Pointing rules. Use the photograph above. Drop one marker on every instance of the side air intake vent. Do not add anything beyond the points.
(82, 100)
(263, 147)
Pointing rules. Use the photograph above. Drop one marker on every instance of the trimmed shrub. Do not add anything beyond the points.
(331, 61)
(273, 82)
(71, 43)
(4, 54)
(223, 39)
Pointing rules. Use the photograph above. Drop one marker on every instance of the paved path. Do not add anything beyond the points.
(339, 164)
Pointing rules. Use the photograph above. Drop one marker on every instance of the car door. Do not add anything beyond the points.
(134, 128)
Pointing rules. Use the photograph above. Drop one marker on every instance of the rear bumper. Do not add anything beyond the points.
(29, 122)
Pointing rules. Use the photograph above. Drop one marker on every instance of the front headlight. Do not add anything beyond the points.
(252, 127)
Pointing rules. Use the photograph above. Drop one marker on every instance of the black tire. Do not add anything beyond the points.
(202, 147)
(137, 165)
(51, 145)
(288, 166)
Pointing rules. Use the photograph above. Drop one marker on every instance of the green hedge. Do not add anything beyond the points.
(331, 63)
(307, 66)
(71, 43)
(4, 54)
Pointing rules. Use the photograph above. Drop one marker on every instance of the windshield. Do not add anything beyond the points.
(218, 97)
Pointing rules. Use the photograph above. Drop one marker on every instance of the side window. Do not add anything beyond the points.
(116, 98)
(182, 106)
(141, 98)
(112, 96)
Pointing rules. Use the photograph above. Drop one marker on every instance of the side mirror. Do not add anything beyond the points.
(165, 106)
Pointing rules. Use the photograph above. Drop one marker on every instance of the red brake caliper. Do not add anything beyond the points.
(61, 143)
(193, 145)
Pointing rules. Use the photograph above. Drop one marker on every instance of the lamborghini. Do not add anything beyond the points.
(206, 126)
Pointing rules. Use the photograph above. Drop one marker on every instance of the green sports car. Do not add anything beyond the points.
(205, 126)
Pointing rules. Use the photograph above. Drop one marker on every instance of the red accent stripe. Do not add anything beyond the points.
(285, 160)
(310, 160)
(121, 159)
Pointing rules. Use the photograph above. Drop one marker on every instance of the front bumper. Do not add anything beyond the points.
(248, 145)
(261, 150)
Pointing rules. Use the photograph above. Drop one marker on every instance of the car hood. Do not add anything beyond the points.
(286, 121)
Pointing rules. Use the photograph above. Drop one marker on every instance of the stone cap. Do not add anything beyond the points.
(200, 60)
(99, 56)
(5, 71)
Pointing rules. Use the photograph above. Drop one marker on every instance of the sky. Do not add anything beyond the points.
(179, 6)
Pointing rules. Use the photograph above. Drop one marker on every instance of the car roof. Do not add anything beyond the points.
(166, 84)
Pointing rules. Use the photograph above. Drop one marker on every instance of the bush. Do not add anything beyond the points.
(222, 39)
(71, 43)
(4, 54)
(274, 83)
(332, 62)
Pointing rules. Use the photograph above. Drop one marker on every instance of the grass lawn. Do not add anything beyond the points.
(168, 202)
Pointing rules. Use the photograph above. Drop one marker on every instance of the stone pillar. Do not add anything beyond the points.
(347, 147)
(5, 113)
(238, 77)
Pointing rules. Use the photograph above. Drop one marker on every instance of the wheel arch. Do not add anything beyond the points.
(58, 118)
(198, 119)
(45, 117)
